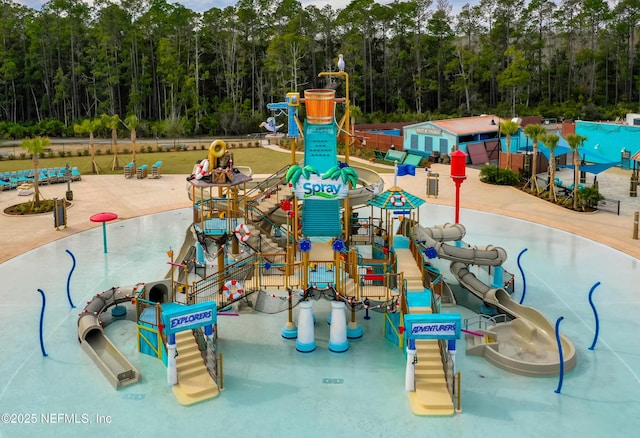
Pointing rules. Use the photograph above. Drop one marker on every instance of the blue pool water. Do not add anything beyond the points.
(272, 390)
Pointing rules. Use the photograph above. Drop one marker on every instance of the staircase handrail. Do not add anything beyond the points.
(273, 180)
(265, 216)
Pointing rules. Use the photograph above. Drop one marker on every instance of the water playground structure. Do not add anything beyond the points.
(317, 229)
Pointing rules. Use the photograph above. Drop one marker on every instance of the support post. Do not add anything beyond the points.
(172, 370)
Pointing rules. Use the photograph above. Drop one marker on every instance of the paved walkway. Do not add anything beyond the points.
(604, 227)
(614, 185)
(132, 197)
(127, 198)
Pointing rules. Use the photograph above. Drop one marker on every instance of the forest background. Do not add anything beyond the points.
(185, 73)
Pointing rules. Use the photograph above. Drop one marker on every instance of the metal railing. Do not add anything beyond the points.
(483, 322)
(612, 205)
(448, 367)
(265, 186)
(208, 350)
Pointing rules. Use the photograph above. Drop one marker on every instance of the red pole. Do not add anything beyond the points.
(458, 182)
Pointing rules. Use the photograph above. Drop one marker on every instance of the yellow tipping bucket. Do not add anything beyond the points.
(319, 105)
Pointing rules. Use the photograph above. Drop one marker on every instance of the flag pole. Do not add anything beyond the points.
(395, 173)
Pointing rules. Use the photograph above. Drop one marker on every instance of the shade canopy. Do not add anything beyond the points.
(600, 163)
(592, 168)
(103, 217)
(396, 199)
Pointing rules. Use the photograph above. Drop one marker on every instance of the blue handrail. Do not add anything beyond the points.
(524, 279)
(595, 314)
(73, 259)
(561, 376)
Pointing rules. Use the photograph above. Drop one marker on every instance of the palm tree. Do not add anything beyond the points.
(508, 128)
(551, 141)
(89, 126)
(173, 127)
(111, 122)
(132, 122)
(575, 143)
(35, 146)
(535, 133)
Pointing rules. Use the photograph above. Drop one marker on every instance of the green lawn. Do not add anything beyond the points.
(261, 161)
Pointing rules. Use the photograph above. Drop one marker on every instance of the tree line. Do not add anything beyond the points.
(213, 73)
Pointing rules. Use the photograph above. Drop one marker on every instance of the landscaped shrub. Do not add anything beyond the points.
(588, 197)
(46, 205)
(502, 177)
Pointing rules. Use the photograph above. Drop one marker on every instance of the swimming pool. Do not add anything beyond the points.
(272, 390)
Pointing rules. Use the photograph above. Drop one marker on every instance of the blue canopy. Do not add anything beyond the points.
(592, 168)
(561, 149)
(600, 162)
(558, 151)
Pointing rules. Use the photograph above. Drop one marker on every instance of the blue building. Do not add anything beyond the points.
(437, 138)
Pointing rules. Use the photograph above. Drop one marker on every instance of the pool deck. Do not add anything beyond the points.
(264, 376)
(130, 198)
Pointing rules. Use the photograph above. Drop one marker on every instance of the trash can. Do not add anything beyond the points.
(59, 213)
(432, 184)
(625, 158)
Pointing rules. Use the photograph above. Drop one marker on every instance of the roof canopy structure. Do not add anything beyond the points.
(396, 199)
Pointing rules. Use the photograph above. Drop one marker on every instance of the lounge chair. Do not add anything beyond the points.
(395, 156)
(412, 159)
